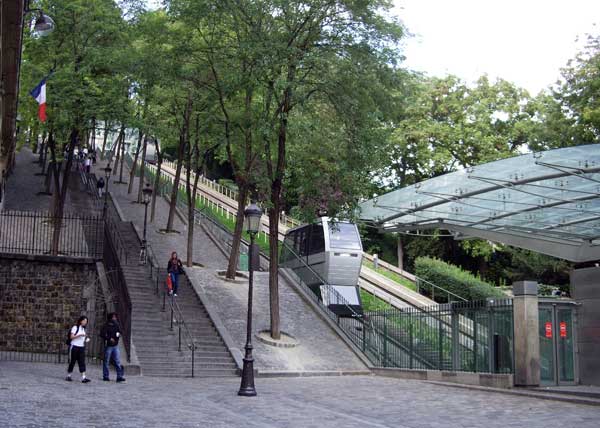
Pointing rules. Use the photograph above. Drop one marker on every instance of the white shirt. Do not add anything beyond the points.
(78, 341)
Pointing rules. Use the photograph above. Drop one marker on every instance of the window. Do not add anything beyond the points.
(344, 235)
(317, 239)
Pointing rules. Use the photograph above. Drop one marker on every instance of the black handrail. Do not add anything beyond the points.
(175, 316)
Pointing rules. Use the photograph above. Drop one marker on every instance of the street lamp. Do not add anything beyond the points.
(44, 25)
(146, 196)
(107, 170)
(252, 215)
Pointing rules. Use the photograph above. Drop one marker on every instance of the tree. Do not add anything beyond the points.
(79, 58)
(293, 44)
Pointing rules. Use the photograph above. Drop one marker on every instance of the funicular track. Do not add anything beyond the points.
(223, 199)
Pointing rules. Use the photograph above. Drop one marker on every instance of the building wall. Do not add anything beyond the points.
(41, 297)
(585, 289)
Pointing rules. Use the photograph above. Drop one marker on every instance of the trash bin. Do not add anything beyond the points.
(243, 262)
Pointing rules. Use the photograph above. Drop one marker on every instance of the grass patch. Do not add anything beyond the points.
(226, 221)
(373, 303)
(391, 275)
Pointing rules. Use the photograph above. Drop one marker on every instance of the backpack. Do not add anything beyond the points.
(68, 341)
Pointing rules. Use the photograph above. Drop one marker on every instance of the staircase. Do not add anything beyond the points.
(156, 345)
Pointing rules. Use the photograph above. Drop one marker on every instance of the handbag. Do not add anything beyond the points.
(169, 283)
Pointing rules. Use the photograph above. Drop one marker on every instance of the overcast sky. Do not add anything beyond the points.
(523, 41)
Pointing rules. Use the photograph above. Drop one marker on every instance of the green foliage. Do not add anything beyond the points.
(454, 279)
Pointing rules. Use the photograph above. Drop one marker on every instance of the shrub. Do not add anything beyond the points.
(454, 279)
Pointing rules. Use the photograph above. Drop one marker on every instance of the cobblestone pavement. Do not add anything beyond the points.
(35, 395)
(320, 348)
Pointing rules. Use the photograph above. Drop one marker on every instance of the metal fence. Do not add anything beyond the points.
(459, 336)
(462, 336)
(118, 286)
(32, 232)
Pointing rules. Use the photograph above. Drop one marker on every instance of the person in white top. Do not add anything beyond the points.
(77, 348)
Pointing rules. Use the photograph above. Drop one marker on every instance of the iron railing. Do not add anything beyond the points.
(176, 318)
(32, 232)
(460, 336)
(118, 286)
(435, 292)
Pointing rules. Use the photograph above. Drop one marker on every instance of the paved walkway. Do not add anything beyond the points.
(35, 395)
(320, 348)
(24, 186)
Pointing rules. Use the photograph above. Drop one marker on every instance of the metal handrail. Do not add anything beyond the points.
(434, 287)
(177, 316)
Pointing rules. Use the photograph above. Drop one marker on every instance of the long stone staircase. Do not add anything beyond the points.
(155, 343)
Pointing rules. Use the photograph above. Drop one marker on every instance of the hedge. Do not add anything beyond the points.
(454, 279)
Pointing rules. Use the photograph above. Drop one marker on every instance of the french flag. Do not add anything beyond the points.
(39, 93)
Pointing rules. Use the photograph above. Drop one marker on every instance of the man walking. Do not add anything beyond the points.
(111, 332)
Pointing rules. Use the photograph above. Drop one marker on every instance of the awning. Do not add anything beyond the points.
(547, 202)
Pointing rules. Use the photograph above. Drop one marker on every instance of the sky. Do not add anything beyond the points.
(522, 41)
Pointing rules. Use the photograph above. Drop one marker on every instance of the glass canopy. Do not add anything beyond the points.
(547, 202)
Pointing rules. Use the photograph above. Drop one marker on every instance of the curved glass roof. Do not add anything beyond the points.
(548, 202)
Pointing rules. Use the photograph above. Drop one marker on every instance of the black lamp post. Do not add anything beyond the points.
(146, 196)
(252, 215)
(107, 172)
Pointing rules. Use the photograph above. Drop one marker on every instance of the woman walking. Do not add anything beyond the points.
(174, 268)
(77, 348)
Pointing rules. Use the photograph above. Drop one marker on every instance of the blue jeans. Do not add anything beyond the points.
(175, 282)
(112, 351)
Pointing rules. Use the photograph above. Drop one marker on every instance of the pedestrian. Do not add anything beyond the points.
(100, 186)
(88, 164)
(111, 332)
(174, 268)
(94, 156)
(77, 348)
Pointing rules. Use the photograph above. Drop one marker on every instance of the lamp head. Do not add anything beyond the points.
(147, 194)
(44, 25)
(252, 215)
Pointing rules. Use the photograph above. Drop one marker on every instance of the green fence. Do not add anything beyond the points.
(462, 336)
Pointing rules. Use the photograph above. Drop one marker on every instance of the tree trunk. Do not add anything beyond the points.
(33, 138)
(93, 135)
(59, 209)
(135, 159)
(237, 233)
(142, 170)
(42, 148)
(274, 264)
(119, 143)
(156, 180)
(106, 129)
(400, 252)
(180, 155)
(122, 159)
(193, 155)
(175, 189)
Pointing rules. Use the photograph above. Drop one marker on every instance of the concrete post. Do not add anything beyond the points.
(526, 334)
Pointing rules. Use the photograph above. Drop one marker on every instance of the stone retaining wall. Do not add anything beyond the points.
(41, 296)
